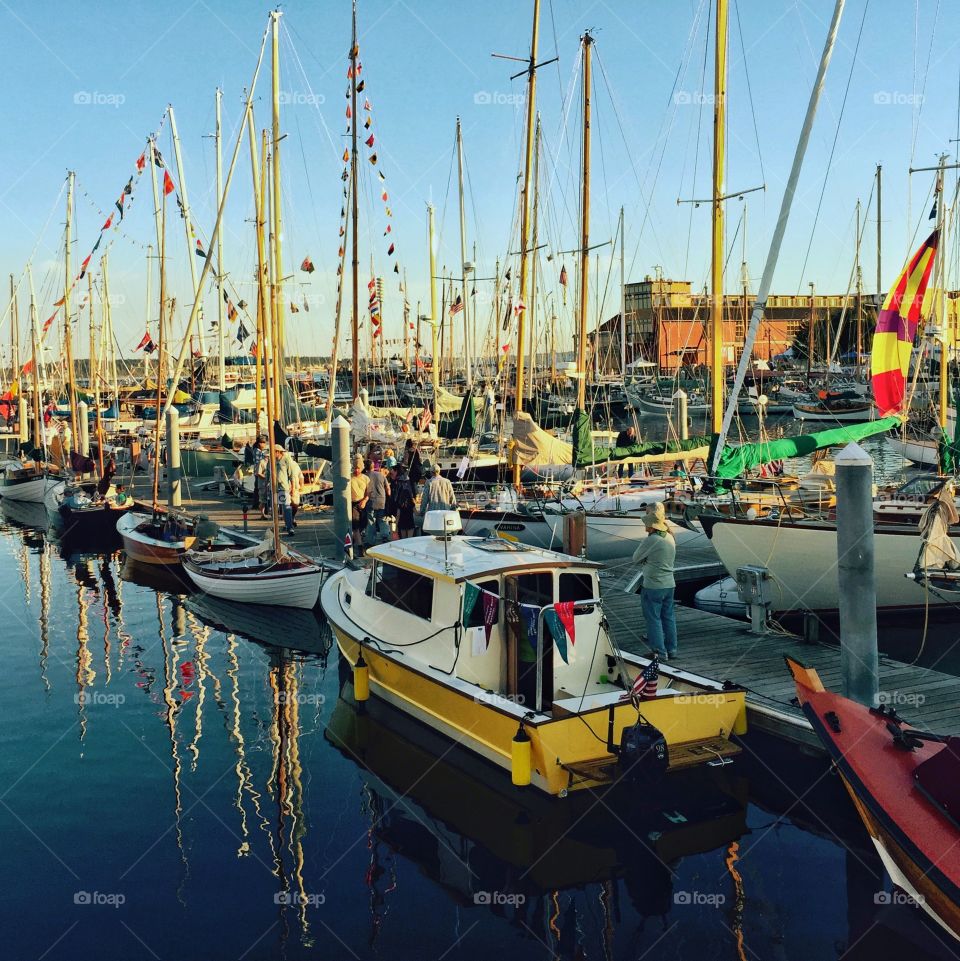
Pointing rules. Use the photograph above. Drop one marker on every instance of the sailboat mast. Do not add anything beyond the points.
(187, 224)
(942, 295)
(34, 363)
(859, 278)
(160, 344)
(67, 330)
(463, 264)
(355, 206)
(533, 263)
(334, 352)
(434, 319)
(146, 355)
(584, 229)
(276, 230)
(623, 299)
(264, 345)
(14, 333)
(716, 253)
(879, 237)
(221, 339)
(525, 215)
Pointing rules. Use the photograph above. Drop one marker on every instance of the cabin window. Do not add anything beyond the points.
(405, 590)
(576, 587)
(476, 615)
(536, 589)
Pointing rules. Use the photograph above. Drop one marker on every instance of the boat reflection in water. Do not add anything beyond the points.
(487, 843)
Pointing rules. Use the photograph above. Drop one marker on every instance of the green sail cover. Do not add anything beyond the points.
(586, 454)
(462, 424)
(735, 461)
(948, 448)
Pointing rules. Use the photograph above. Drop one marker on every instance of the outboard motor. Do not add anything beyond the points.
(643, 753)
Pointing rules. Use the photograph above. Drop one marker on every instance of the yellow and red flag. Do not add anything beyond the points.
(896, 328)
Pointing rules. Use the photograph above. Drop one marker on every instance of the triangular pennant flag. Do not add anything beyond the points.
(231, 311)
(307, 266)
(366, 124)
(141, 162)
(396, 268)
(143, 343)
(48, 322)
(381, 175)
(369, 141)
(559, 634)
(373, 158)
(349, 112)
(565, 611)
(390, 250)
(200, 252)
(346, 157)
(383, 196)
(83, 266)
(60, 302)
(168, 187)
(294, 309)
(362, 83)
(108, 223)
(306, 304)
(242, 333)
(389, 228)
(471, 594)
(366, 105)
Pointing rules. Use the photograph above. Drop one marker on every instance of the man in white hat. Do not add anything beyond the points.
(359, 498)
(656, 555)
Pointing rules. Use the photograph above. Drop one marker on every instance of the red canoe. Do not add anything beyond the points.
(906, 787)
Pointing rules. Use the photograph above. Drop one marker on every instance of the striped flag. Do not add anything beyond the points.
(456, 306)
(645, 686)
(897, 327)
(425, 418)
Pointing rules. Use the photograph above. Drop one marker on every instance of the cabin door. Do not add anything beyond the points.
(525, 595)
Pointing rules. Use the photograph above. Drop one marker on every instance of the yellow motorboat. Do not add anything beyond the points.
(505, 649)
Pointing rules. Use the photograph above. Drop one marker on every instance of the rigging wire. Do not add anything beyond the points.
(833, 146)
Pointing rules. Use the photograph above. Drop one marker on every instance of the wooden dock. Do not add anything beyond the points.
(725, 649)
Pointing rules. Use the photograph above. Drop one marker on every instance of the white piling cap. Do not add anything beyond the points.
(341, 423)
(853, 455)
(680, 393)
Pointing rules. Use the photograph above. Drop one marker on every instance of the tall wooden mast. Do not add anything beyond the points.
(35, 366)
(716, 254)
(67, 330)
(277, 226)
(14, 333)
(355, 205)
(525, 215)
(221, 339)
(465, 294)
(587, 41)
(434, 319)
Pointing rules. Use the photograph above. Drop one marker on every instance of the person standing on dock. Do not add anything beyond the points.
(379, 491)
(359, 498)
(657, 554)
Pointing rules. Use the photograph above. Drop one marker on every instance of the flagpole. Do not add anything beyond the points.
(463, 264)
(277, 231)
(38, 440)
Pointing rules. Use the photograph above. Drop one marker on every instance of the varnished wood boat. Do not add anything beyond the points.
(905, 785)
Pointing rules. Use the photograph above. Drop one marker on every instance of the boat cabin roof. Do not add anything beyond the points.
(467, 558)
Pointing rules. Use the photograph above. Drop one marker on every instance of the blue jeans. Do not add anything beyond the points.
(661, 623)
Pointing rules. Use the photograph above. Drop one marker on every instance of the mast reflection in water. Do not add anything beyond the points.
(173, 786)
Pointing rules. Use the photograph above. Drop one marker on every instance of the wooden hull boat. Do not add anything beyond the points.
(906, 788)
(256, 575)
(28, 483)
(403, 616)
(149, 541)
(825, 413)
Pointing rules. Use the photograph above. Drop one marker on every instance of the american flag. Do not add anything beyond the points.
(425, 418)
(456, 306)
(645, 686)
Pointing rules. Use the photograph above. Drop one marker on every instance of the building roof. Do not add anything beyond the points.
(466, 558)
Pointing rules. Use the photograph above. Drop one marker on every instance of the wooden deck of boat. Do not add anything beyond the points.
(723, 648)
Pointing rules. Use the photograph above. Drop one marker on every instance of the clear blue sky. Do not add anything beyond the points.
(426, 62)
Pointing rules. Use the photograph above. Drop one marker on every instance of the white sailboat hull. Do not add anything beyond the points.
(802, 561)
(825, 416)
(922, 452)
(30, 491)
(298, 588)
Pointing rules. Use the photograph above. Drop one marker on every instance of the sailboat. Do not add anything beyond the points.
(904, 784)
(784, 544)
(269, 572)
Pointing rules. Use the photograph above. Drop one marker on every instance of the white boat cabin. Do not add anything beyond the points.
(412, 598)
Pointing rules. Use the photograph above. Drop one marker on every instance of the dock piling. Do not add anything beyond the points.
(83, 429)
(340, 442)
(173, 458)
(859, 660)
(680, 414)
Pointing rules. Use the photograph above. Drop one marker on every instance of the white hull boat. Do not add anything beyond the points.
(801, 558)
(27, 484)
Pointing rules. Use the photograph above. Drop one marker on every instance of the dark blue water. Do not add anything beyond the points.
(173, 787)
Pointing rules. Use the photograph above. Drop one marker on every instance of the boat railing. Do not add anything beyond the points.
(778, 499)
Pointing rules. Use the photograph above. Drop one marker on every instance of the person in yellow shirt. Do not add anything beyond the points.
(359, 499)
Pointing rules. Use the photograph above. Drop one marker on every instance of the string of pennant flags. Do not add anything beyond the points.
(558, 617)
